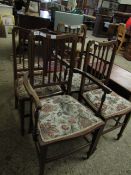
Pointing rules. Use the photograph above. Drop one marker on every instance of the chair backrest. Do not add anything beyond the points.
(48, 55)
(80, 31)
(121, 31)
(99, 59)
(20, 51)
(20, 44)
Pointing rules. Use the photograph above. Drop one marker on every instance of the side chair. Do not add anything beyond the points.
(20, 43)
(80, 31)
(58, 118)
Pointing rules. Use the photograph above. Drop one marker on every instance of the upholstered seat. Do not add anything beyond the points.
(63, 117)
(76, 82)
(113, 105)
(42, 91)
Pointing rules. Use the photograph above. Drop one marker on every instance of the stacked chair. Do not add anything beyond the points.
(20, 43)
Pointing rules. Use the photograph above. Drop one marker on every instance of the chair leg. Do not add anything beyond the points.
(95, 139)
(42, 159)
(22, 110)
(126, 120)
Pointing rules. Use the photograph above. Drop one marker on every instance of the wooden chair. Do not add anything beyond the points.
(98, 61)
(58, 118)
(80, 31)
(20, 43)
(121, 32)
(106, 104)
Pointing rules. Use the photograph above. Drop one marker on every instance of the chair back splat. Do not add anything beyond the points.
(80, 31)
(99, 59)
(51, 53)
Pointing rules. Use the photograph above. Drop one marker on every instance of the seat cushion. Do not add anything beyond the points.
(76, 82)
(42, 91)
(113, 105)
(63, 117)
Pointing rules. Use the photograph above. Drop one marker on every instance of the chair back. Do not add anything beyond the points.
(80, 31)
(48, 57)
(20, 43)
(99, 59)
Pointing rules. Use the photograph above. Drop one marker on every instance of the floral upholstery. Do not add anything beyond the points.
(76, 82)
(63, 117)
(113, 105)
(42, 91)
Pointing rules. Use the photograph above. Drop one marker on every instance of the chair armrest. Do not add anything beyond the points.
(31, 91)
(92, 78)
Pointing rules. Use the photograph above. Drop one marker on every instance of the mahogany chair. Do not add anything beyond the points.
(80, 31)
(58, 118)
(106, 104)
(98, 61)
(20, 43)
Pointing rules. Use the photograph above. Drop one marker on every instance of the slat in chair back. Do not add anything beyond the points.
(50, 53)
(99, 59)
(20, 50)
(20, 43)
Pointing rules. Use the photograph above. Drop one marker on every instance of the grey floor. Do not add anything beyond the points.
(18, 155)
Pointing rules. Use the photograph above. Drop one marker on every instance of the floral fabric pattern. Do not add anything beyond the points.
(76, 82)
(43, 91)
(113, 105)
(62, 116)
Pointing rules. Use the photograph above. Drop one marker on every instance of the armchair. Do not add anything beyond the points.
(106, 104)
(58, 118)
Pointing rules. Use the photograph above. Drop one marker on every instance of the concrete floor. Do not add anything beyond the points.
(18, 154)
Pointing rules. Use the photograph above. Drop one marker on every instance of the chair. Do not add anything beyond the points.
(98, 61)
(58, 118)
(80, 31)
(106, 104)
(121, 32)
(20, 42)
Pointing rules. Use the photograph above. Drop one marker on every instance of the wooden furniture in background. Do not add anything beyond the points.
(121, 33)
(127, 53)
(99, 29)
(120, 81)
